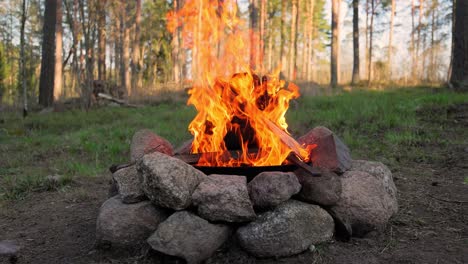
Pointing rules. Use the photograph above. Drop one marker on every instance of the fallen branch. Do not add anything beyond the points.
(116, 100)
(447, 200)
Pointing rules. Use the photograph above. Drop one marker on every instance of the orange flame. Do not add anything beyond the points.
(234, 111)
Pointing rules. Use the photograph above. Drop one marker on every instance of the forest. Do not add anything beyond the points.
(233, 131)
(127, 45)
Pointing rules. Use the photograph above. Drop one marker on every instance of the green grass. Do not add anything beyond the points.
(384, 126)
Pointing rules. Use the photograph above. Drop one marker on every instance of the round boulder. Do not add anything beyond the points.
(167, 181)
(269, 189)
(129, 185)
(224, 198)
(367, 200)
(188, 236)
(324, 190)
(145, 141)
(289, 229)
(128, 226)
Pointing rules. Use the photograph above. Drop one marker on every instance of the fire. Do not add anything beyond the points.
(237, 113)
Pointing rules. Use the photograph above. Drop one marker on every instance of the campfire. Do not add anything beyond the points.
(242, 178)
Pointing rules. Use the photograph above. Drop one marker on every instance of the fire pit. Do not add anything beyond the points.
(243, 178)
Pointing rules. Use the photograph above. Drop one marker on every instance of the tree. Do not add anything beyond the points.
(293, 41)
(283, 50)
(22, 66)
(459, 78)
(101, 39)
(355, 77)
(136, 60)
(46, 84)
(58, 52)
(390, 39)
(335, 45)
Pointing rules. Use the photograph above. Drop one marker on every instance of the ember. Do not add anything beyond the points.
(240, 112)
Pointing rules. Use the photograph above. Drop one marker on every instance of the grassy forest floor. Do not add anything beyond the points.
(420, 133)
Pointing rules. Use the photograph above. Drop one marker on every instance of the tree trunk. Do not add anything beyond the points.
(293, 41)
(58, 53)
(390, 41)
(366, 53)
(371, 35)
(22, 66)
(459, 78)
(335, 44)
(419, 66)
(355, 77)
(46, 82)
(102, 40)
(175, 49)
(283, 51)
(125, 56)
(310, 41)
(254, 45)
(413, 54)
(262, 31)
(136, 61)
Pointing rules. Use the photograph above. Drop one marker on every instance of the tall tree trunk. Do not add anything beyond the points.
(283, 51)
(335, 44)
(46, 82)
(371, 35)
(293, 41)
(136, 61)
(432, 72)
(58, 53)
(390, 41)
(419, 66)
(310, 40)
(125, 56)
(22, 66)
(102, 40)
(366, 53)
(254, 45)
(175, 48)
(459, 78)
(355, 77)
(262, 31)
(413, 48)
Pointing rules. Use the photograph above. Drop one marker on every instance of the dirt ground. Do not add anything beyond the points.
(430, 227)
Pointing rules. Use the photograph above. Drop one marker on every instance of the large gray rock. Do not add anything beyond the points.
(330, 152)
(368, 199)
(269, 189)
(324, 190)
(145, 141)
(129, 185)
(289, 229)
(122, 225)
(167, 181)
(380, 172)
(224, 198)
(188, 236)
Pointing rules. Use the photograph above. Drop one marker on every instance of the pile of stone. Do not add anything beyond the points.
(168, 205)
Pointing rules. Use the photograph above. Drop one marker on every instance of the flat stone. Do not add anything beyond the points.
(129, 185)
(367, 200)
(167, 181)
(324, 190)
(289, 229)
(127, 226)
(145, 141)
(269, 189)
(188, 236)
(224, 198)
(330, 152)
